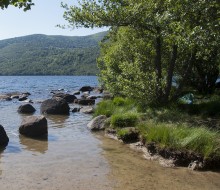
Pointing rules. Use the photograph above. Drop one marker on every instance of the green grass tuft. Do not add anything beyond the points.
(200, 140)
(124, 120)
(105, 107)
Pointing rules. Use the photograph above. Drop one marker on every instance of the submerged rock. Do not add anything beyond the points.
(33, 126)
(3, 137)
(26, 108)
(76, 110)
(98, 123)
(55, 106)
(87, 109)
(5, 97)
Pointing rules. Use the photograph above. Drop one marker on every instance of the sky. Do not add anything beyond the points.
(41, 19)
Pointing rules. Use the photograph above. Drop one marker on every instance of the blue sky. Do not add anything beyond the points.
(41, 19)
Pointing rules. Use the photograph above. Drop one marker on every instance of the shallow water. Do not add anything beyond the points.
(71, 157)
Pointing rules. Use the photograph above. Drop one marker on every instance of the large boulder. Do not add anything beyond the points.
(68, 97)
(3, 137)
(55, 106)
(98, 123)
(33, 126)
(86, 89)
(26, 108)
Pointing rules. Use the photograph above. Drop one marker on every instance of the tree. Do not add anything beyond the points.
(25, 4)
(178, 36)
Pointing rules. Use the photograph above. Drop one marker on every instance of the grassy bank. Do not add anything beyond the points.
(186, 128)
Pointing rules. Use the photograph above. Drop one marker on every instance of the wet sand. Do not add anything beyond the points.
(130, 171)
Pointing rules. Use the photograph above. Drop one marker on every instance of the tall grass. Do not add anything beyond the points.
(200, 140)
(105, 107)
(116, 106)
(124, 120)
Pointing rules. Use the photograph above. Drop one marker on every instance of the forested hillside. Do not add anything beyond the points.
(50, 55)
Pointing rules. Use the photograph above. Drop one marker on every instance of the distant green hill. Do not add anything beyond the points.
(50, 55)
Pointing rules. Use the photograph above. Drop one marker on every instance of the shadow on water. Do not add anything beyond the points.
(35, 144)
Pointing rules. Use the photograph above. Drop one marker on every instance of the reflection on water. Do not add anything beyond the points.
(1, 150)
(37, 144)
(57, 121)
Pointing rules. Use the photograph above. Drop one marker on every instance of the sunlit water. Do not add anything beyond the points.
(74, 158)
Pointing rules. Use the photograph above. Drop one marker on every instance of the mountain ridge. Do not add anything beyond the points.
(40, 54)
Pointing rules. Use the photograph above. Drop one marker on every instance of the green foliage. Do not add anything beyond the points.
(140, 58)
(207, 106)
(49, 55)
(200, 140)
(124, 120)
(119, 101)
(25, 4)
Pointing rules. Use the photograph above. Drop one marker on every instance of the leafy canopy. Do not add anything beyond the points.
(151, 41)
(25, 4)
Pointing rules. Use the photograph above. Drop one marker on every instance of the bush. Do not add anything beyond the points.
(124, 120)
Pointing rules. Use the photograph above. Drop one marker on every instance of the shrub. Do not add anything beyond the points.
(124, 120)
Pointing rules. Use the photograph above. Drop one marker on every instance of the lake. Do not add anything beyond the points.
(74, 158)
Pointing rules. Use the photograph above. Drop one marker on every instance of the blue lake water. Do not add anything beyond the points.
(73, 158)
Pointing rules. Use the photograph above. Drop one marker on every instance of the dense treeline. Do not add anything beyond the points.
(151, 42)
(50, 55)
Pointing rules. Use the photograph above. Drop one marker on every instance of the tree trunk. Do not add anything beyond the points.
(157, 62)
(170, 74)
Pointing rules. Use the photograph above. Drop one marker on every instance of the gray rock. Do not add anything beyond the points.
(5, 97)
(85, 102)
(15, 96)
(26, 108)
(76, 93)
(55, 106)
(68, 97)
(3, 137)
(98, 123)
(92, 97)
(34, 126)
(75, 110)
(86, 89)
(87, 110)
(196, 165)
(22, 98)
